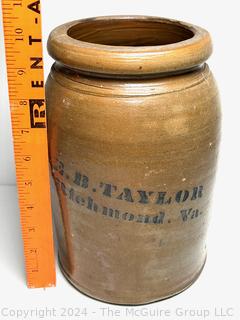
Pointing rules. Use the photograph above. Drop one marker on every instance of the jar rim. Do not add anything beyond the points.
(101, 45)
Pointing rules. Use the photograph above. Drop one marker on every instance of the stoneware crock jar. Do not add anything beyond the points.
(133, 127)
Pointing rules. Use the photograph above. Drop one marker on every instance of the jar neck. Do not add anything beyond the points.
(76, 71)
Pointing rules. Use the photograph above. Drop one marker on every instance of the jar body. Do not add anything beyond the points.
(133, 164)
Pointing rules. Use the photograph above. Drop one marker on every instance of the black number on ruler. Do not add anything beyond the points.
(37, 113)
(34, 254)
(24, 131)
(27, 158)
(21, 72)
(23, 102)
(19, 32)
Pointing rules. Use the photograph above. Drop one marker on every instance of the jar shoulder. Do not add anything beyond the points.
(139, 87)
(193, 96)
(117, 115)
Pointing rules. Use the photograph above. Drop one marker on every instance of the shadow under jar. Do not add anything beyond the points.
(133, 129)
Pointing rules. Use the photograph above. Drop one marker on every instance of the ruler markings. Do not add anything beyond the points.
(22, 31)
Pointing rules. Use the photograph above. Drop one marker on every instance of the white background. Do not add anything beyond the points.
(219, 283)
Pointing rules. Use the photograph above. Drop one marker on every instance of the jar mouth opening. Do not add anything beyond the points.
(129, 45)
(127, 32)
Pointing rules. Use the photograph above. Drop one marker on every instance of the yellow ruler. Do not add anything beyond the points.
(23, 44)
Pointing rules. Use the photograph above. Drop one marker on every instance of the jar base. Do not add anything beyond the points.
(86, 292)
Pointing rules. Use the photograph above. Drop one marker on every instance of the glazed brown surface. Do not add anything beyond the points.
(137, 45)
(133, 162)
